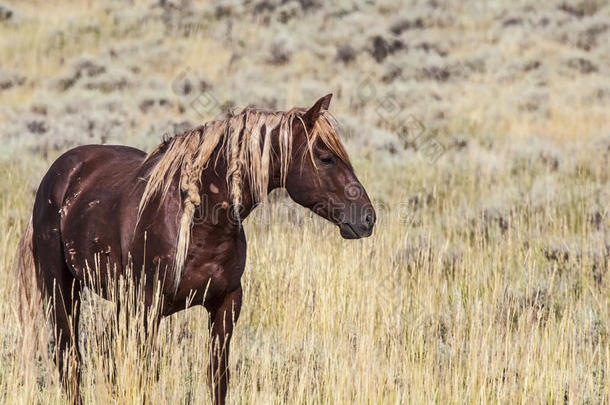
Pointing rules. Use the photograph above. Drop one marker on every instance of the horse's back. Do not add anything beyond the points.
(77, 168)
(102, 154)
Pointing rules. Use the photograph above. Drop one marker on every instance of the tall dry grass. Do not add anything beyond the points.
(487, 279)
(449, 301)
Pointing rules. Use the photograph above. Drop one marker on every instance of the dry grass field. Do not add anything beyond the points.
(481, 130)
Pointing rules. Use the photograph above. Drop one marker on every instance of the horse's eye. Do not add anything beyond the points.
(328, 160)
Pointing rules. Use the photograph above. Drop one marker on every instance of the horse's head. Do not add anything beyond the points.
(321, 177)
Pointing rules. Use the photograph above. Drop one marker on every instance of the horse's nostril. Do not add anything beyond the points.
(368, 219)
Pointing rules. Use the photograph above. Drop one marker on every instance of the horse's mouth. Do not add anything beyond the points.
(348, 231)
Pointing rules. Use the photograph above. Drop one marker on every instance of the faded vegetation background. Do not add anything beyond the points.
(481, 130)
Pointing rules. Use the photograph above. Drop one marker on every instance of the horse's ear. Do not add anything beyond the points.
(314, 112)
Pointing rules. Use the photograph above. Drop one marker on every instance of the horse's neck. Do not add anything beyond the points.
(216, 188)
(215, 193)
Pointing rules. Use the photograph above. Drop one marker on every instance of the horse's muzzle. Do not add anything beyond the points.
(360, 229)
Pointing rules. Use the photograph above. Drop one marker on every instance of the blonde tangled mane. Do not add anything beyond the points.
(246, 148)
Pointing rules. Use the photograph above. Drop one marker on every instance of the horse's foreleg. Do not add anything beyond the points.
(222, 320)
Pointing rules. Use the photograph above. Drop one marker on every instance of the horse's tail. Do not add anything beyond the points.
(28, 296)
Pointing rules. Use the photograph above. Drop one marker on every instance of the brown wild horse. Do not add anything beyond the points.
(120, 208)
